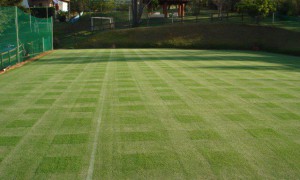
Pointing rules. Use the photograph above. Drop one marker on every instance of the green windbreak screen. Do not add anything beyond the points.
(22, 36)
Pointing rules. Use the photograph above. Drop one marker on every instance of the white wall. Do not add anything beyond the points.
(63, 6)
(25, 3)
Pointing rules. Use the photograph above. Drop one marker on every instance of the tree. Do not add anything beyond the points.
(102, 5)
(5, 20)
(6, 15)
(257, 8)
(221, 4)
(79, 5)
(153, 5)
(10, 2)
(289, 7)
(138, 7)
(225, 4)
(196, 6)
(93, 5)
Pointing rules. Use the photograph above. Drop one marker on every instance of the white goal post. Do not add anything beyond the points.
(111, 24)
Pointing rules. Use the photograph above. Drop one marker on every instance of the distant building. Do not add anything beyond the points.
(25, 4)
(165, 4)
(41, 3)
(59, 4)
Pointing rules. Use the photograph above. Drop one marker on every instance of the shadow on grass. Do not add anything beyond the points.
(277, 62)
(250, 67)
(289, 25)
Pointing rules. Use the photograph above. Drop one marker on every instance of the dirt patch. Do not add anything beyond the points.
(25, 62)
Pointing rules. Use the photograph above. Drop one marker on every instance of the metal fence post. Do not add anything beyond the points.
(92, 24)
(1, 57)
(242, 16)
(227, 17)
(17, 32)
(9, 57)
(52, 34)
(43, 41)
(18, 56)
(33, 48)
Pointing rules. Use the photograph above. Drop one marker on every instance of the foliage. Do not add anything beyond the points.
(257, 8)
(153, 5)
(10, 2)
(138, 7)
(196, 6)
(102, 5)
(221, 4)
(233, 5)
(79, 5)
(93, 5)
(41, 12)
(289, 7)
(62, 16)
(4, 19)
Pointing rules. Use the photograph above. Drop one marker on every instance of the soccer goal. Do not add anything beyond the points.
(102, 23)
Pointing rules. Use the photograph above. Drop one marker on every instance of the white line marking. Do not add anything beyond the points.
(97, 133)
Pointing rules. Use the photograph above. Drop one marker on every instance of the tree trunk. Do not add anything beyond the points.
(137, 11)
(220, 7)
(135, 21)
(140, 11)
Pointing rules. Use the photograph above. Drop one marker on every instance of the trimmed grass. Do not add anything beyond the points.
(151, 114)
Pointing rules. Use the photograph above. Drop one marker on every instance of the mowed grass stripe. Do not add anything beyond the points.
(187, 114)
(215, 111)
(29, 152)
(177, 138)
(99, 116)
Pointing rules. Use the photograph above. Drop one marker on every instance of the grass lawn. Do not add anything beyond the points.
(151, 113)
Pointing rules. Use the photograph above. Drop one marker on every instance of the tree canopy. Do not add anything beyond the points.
(10, 2)
(257, 8)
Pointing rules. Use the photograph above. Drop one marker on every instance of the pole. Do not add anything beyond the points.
(17, 33)
(43, 41)
(92, 24)
(47, 15)
(30, 20)
(273, 19)
(134, 13)
(9, 57)
(242, 16)
(33, 51)
(1, 60)
(47, 18)
(90, 9)
(69, 10)
(52, 34)
(129, 13)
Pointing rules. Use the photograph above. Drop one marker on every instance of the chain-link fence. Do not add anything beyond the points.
(22, 36)
(122, 17)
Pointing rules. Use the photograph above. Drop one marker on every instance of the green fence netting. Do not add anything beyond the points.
(22, 36)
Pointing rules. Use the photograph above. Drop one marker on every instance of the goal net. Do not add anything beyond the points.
(102, 23)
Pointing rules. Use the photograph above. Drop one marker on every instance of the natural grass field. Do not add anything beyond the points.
(151, 114)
